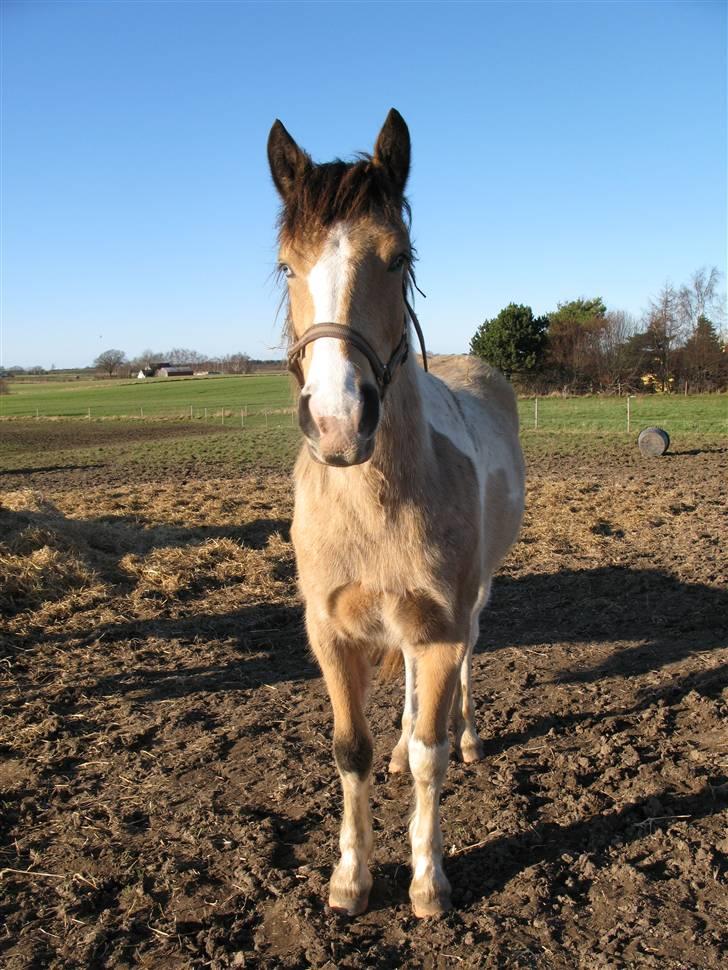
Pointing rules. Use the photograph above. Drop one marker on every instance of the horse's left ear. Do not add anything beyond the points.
(392, 150)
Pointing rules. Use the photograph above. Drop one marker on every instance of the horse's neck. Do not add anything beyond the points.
(396, 471)
(402, 440)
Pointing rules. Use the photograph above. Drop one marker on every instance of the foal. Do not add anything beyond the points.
(408, 490)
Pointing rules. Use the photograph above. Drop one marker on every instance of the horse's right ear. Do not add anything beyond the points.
(285, 158)
(392, 150)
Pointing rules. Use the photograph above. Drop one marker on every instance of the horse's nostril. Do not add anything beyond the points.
(369, 411)
(305, 419)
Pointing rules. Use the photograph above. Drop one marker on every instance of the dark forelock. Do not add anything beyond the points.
(337, 191)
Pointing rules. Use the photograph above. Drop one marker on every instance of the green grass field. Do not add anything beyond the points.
(222, 398)
(156, 397)
(704, 413)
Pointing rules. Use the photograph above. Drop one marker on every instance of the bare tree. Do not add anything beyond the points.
(182, 355)
(614, 360)
(110, 360)
(699, 298)
(237, 363)
(663, 332)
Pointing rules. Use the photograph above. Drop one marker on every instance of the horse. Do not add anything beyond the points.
(409, 490)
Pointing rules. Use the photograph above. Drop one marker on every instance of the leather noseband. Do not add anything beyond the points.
(383, 373)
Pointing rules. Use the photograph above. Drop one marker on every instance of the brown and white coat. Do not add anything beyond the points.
(405, 501)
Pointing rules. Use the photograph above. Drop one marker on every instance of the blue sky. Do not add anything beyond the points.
(559, 150)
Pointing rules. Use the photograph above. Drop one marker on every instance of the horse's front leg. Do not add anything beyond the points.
(347, 673)
(438, 667)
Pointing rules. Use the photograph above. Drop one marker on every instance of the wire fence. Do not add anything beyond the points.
(629, 414)
(272, 415)
(622, 414)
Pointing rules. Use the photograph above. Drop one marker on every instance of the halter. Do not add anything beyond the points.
(383, 373)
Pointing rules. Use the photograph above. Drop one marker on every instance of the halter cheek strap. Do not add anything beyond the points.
(383, 373)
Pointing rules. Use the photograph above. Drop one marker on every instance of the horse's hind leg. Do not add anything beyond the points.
(400, 757)
(462, 717)
(467, 743)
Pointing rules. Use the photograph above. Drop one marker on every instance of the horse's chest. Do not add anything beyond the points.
(363, 613)
(383, 555)
(378, 585)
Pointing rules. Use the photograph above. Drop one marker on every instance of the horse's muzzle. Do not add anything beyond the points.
(341, 441)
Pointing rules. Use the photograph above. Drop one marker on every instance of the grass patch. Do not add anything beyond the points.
(706, 413)
(157, 450)
(153, 397)
(267, 399)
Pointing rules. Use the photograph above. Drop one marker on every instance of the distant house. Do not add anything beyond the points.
(152, 370)
(167, 370)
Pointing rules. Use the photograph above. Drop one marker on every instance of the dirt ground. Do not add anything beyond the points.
(168, 793)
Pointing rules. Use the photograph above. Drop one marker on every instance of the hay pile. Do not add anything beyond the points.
(42, 555)
(183, 572)
(96, 558)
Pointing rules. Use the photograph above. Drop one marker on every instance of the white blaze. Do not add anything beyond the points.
(331, 378)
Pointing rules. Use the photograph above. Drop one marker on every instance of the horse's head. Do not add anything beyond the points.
(346, 253)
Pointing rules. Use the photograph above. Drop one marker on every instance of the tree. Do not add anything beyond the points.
(699, 298)
(146, 360)
(615, 366)
(663, 332)
(109, 360)
(704, 364)
(237, 364)
(182, 355)
(574, 337)
(513, 341)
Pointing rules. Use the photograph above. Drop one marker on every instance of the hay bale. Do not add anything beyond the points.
(653, 442)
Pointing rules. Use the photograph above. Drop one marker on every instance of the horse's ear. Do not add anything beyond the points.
(287, 161)
(392, 150)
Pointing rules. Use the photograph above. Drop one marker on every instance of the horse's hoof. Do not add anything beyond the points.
(471, 751)
(398, 765)
(426, 906)
(349, 905)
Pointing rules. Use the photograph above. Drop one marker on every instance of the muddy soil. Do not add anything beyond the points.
(169, 798)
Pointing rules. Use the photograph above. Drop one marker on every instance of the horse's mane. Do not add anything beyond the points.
(338, 190)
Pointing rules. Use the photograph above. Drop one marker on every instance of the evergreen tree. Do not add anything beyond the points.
(513, 341)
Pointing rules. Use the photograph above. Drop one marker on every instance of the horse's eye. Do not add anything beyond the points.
(285, 269)
(398, 262)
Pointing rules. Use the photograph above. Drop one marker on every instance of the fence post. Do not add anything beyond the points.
(36, 414)
(242, 419)
(89, 414)
(266, 419)
(205, 414)
(535, 414)
(628, 413)
(141, 412)
(222, 416)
